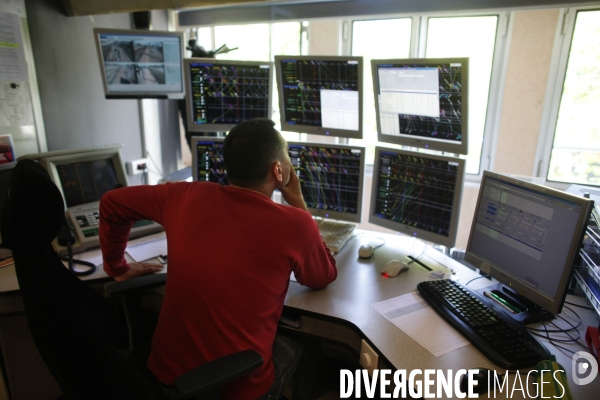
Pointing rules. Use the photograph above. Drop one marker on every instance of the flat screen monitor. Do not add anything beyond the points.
(423, 102)
(140, 64)
(321, 95)
(331, 178)
(221, 93)
(83, 178)
(417, 194)
(527, 236)
(207, 160)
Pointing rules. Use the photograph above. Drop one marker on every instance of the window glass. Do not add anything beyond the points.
(249, 40)
(472, 37)
(377, 39)
(575, 154)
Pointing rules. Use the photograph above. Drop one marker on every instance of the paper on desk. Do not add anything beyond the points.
(414, 317)
(148, 249)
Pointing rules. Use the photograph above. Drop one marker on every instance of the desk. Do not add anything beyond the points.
(343, 311)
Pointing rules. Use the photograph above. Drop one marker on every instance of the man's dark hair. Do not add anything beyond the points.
(250, 149)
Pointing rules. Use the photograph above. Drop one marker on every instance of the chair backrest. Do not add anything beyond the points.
(72, 325)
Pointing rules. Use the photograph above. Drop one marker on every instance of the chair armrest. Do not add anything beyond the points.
(136, 284)
(217, 373)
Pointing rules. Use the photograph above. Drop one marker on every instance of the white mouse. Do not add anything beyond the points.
(366, 251)
(394, 268)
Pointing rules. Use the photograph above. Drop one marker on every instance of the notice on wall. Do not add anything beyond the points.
(15, 104)
(12, 55)
(13, 7)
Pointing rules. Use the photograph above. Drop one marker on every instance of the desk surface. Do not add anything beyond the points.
(359, 285)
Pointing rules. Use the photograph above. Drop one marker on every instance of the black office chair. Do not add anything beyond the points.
(75, 329)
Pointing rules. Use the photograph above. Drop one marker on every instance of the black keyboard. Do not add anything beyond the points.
(501, 339)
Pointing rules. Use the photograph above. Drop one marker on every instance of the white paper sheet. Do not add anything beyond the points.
(12, 56)
(153, 246)
(414, 317)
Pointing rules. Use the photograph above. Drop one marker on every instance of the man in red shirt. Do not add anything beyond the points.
(231, 252)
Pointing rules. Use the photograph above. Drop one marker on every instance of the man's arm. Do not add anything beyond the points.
(119, 209)
(318, 268)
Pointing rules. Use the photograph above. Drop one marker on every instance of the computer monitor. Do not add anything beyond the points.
(423, 102)
(321, 95)
(140, 64)
(222, 93)
(82, 178)
(527, 236)
(331, 178)
(417, 194)
(207, 160)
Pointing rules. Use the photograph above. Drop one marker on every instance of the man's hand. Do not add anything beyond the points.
(139, 269)
(292, 193)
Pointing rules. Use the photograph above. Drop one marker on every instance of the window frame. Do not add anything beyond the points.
(563, 39)
(418, 46)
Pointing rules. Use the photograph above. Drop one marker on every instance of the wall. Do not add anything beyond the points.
(76, 114)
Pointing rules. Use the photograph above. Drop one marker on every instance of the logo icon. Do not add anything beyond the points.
(584, 368)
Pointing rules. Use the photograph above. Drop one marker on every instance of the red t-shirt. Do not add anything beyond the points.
(231, 252)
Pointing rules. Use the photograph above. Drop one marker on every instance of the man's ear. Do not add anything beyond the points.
(277, 171)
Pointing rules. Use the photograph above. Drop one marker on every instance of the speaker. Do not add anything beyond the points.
(141, 19)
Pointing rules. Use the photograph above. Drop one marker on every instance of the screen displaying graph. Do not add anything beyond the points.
(330, 176)
(228, 92)
(416, 190)
(207, 160)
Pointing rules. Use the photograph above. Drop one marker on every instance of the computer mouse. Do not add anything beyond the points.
(394, 268)
(366, 251)
(481, 379)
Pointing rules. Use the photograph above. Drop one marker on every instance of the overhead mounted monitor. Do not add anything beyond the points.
(423, 102)
(222, 93)
(207, 160)
(527, 236)
(417, 194)
(331, 178)
(321, 95)
(140, 64)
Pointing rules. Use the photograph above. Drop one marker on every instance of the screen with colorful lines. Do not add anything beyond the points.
(417, 194)
(207, 160)
(222, 93)
(423, 102)
(331, 178)
(320, 95)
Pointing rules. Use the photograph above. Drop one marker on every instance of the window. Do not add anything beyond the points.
(439, 37)
(379, 39)
(575, 151)
(453, 37)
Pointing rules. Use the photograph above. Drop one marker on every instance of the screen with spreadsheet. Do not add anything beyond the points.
(320, 95)
(422, 102)
(417, 194)
(207, 160)
(331, 178)
(221, 93)
(527, 236)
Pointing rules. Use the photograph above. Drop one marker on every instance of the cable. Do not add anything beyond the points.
(153, 162)
(578, 305)
(91, 267)
(474, 279)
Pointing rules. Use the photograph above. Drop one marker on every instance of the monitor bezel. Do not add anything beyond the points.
(318, 130)
(337, 215)
(51, 164)
(148, 94)
(193, 145)
(220, 127)
(420, 142)
(553, 305)
(448, 241)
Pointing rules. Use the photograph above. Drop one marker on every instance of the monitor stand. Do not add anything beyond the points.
(524, 310)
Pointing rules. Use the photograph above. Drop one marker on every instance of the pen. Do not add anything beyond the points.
(506, 303)
(499, 302)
